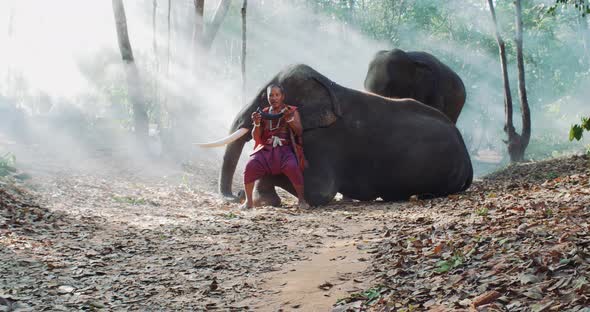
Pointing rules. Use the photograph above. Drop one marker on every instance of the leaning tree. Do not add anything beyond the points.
(517, 143)
(135, 94)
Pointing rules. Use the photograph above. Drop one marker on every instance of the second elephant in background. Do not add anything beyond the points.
(417, 75)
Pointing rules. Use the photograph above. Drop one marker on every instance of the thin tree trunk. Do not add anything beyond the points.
(154, 11)
(10, 33)
(244, 7)
(135, 95)
(524, 103)
(197, 39)
(583, 19)
(168, 38)
(211, 29)
(349, 4)
(11, 21)
(156, 97)
(508, 125)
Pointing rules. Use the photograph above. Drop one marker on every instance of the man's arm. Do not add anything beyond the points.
(257, 132)
(257, 127)
(294, 123)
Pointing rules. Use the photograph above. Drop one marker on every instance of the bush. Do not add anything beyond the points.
(577, 131)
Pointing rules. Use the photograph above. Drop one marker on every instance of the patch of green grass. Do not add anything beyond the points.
(129, 200)
(7, 162)
(409, 308)
(548, 212)
(484, 211)
(445, 266)
(230, 215)
(369, 296)
(551, 175)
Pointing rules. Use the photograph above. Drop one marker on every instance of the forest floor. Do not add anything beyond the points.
(517, 240)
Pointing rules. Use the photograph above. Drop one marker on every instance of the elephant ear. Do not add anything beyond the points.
(424, 83)
(314, 96)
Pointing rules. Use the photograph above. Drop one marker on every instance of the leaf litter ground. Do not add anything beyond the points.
(75, 240)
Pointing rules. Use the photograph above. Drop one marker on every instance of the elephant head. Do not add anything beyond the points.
(395, 74)
(305, 88)
(416, 75)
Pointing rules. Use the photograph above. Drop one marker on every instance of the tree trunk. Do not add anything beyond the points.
(168, 38)
(135, 95)
(157, 110)
(197, 39)
(518, 151)
(11, 21)
(513, 137)
(199, 21)
(585, 37)
(350, 12)
(244, 7)
(211, 29)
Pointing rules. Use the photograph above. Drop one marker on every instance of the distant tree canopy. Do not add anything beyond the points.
(556, 54)
(581, 5)
(556, 49)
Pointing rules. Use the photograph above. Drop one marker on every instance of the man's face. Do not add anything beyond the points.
(275, 98)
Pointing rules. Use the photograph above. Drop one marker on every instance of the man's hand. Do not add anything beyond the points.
(256, 118)
(289, 114)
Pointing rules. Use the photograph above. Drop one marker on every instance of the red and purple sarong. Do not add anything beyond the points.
(273, 161)
(274, 155)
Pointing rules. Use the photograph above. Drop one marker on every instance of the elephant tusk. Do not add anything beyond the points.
(228, 139)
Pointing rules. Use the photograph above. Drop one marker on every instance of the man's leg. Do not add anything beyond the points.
(248, 188)
(253, 171)
(293, 172)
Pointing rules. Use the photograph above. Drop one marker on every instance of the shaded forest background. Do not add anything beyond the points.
(62, 79)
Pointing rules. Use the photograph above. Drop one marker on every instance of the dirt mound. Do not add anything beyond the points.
(19, 207)
(540, 171)
(517, 241)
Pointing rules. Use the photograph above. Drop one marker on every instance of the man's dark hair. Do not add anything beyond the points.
(275, 85)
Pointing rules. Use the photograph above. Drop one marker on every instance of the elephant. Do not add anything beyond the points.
(356, 143)
(417, 75)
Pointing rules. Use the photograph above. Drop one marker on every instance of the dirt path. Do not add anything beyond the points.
(331, 272)
(123, 242)
(110, 240)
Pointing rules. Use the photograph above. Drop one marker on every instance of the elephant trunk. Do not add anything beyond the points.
(228, 168)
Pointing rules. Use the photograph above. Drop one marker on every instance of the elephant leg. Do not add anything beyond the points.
(393, 198)
(319, 190)
(346, 199)
(320, 187)
(283, 182)
(265, 193)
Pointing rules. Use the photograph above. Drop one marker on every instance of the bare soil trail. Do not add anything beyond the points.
(115, 240)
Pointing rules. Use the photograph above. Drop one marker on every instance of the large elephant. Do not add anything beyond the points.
(358, 144)
(416, 75)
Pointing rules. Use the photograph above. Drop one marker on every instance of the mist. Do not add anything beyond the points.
(62, 81)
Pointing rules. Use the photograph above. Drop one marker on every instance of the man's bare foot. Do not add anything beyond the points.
(245, 206)
(303, 205)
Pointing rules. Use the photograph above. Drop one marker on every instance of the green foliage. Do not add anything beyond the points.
(7, 168)
(581, 5)
(129, 200)
(369, 296)
(7, 162)
(482, 211)
(577, 130)
(445, 266)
